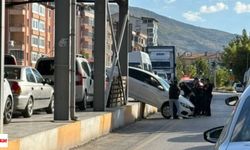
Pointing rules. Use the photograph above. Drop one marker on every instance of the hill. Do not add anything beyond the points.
(184, 36)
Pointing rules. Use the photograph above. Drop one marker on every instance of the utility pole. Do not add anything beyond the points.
(2, 62)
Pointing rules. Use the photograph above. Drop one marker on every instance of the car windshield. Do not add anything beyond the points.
(238, 85)
(12, 73)
(242, 127)
(164, 83)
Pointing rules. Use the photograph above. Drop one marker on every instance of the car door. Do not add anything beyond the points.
(44, 98)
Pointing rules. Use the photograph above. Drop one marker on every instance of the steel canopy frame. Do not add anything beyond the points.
(100, 96)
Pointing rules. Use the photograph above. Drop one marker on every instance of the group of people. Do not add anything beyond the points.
(199, 93)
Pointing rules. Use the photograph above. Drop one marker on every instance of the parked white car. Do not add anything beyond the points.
(235, 135)
(152, 89)
(8, 102)
(84, 80)
(29, 89)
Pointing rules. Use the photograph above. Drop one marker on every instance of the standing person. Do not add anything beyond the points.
(174, 93)
(208, 87)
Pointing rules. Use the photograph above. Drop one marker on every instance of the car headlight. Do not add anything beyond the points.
(184, 105)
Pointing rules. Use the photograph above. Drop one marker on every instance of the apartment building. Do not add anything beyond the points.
(139, 41)
(85, 34)
(29, 32)
(150, 26)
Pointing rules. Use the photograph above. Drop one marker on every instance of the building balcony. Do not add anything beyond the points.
(17, 28)
(17, 12)
(17, 46)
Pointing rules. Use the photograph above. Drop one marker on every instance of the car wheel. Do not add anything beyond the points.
(28, 109)
(8, 111)
(50, 108)
(165, 110)
(83, 104)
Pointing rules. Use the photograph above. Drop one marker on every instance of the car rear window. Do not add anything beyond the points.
(12, 73)
(46, 67)
(9, 60)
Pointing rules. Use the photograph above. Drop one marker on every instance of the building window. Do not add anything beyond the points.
(42, 10)
(35, 8)
(35, 24)
(34, 57)
(34, 41)
(41, 42)
(42, 26)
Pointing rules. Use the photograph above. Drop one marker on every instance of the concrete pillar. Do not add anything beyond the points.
(62, 60)
(99, 54)
(123, 11)
(2, 18)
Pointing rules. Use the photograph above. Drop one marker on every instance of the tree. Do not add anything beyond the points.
(222, 76)
(202, 68)
(236, 55)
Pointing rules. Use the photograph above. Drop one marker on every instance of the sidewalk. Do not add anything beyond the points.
(40, 132)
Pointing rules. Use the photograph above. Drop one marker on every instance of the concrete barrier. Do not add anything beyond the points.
(82, 131)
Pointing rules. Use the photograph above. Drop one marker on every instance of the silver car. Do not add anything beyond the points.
(235, 135)
(30, 90)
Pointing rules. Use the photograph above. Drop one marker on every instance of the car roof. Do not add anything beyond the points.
(144, 71)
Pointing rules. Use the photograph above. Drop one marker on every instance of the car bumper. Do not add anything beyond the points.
(20, 102)
(186, 110)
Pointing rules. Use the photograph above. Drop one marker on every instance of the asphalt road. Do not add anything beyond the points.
(157, 133)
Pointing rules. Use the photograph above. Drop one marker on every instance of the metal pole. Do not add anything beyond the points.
(123, 13)
(73, 55)
(62, 60)
(2, 62)
(99, 56)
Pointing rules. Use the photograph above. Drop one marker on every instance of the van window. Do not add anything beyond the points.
(161, 64)
(86, 68)
(46, 67)
(135, 64)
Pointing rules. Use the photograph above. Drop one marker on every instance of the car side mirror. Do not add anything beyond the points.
(212, 135)
(48, 81)
(231, 101)
(160, 88)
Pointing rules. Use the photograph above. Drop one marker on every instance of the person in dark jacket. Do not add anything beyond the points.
(208, 88)
(174, 93)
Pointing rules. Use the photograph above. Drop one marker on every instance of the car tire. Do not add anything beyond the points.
(50, 108)
(8, 111)
(165, 110)
(83, 104)
(28, 111)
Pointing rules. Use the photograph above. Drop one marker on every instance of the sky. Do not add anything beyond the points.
(226, 15)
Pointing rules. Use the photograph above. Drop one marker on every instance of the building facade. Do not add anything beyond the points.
(29, 32)
(139, 41)
(150, 26)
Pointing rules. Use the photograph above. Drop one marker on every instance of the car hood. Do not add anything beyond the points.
(239, 146)
(186, 101)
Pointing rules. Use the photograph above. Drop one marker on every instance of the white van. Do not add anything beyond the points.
(84, 80)
(140, 60)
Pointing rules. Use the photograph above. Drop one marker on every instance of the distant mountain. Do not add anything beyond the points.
(184, 36)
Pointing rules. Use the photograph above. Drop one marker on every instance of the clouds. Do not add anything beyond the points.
(196, 16)
(192, 16)
(214, 8)
(241, 8)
